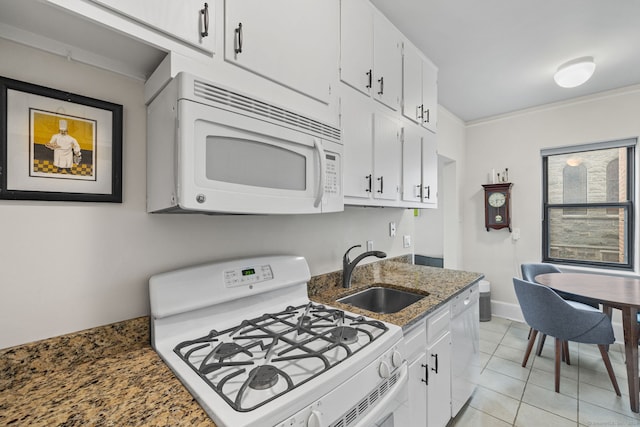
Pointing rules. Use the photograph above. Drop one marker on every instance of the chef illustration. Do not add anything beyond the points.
(66, 150)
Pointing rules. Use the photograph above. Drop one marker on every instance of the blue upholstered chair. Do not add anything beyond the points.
(530, 271)
(546, 312)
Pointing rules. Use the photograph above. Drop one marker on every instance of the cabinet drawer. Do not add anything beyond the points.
(415, 341)
(438, 324)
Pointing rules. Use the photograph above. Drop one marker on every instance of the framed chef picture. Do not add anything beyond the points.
(57, 145)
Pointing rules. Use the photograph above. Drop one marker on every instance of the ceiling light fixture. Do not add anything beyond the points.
(575, 72)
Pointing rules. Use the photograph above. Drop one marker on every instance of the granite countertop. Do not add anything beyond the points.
(439, 285)
(111, 376)
(106, 376)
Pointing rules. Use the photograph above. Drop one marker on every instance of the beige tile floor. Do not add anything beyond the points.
(510, 395)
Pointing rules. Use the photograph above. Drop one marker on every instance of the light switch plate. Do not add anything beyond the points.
(392, 229)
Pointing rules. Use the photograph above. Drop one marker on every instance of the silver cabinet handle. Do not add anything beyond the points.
(205, 20)
(381, 81)
(381, 190)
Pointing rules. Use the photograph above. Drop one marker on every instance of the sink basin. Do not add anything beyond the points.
(382, 300)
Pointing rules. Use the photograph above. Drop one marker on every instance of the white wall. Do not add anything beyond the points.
(514, 141)
(99, 274)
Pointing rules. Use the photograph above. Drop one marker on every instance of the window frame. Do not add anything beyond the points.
(627, 205)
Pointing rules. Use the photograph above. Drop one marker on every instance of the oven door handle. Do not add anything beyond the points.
(385, 406)
(323, 165)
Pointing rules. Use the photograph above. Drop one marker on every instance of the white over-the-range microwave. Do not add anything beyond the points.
(211, 149)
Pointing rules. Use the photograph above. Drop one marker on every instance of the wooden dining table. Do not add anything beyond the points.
(617, 292)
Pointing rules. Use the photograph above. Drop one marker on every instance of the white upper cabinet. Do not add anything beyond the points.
(356, 44)
(412, 165)
(370, 52)
(372, 154)
(420, 88)
(419, 168)
(357, 139)
(189, 21)
(386, 157)
(429, 95)
(429, 170)
(291, 42)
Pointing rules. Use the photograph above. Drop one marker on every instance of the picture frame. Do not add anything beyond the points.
(56, 145)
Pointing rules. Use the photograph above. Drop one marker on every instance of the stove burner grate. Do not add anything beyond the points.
(271, 343)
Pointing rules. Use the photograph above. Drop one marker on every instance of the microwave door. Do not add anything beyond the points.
(243, 165)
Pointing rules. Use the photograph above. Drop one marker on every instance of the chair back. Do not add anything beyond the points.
(530, 271)
(546, 312)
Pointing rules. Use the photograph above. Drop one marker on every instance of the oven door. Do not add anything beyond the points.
(233, 163)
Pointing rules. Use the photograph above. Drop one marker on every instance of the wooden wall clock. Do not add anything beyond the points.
(497, 206)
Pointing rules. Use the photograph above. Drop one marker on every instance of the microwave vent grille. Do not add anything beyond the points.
(272, 113)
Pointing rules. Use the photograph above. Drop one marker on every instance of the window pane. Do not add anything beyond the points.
(597, 236)
(591, 176)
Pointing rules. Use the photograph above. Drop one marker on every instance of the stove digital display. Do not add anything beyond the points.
(248, 272)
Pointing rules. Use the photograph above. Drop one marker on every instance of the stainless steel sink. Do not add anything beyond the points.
(382, 300)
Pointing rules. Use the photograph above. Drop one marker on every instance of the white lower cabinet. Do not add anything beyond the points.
(418, 391)
(428, 352)
(439, 382)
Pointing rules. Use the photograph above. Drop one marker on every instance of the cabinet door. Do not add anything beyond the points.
(387, 62)
(356, 44)
(291, 42)
(386, 157)
(412, 83)
(184, 20)
(429, 96)
(439, 388)
(411, 164)
(418, 392)
(429, 169)
(357, 139)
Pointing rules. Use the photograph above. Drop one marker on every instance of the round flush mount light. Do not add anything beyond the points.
(575, 72)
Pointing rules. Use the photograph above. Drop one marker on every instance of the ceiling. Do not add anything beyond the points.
(499, 56)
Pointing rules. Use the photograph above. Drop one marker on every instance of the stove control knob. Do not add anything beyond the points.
(396, 358)
(314, 419)
(384, 370)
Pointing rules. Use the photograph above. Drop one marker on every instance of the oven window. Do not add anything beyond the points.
(241, 161)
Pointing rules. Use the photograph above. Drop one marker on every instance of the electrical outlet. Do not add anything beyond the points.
(392, 229)
(406, 241)
(369, 245)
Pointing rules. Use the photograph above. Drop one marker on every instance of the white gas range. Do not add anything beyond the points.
(246, 341)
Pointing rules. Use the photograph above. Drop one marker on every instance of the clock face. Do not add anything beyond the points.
(496, 199)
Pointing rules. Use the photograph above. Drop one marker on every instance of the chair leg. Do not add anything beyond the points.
(565, 352)
(557, 370)
(607, 363)
(532, 340)
(540, 344)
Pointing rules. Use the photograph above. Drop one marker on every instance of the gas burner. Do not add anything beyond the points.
(304, 321)
(263, 377)
(344, 334)
(227, 349)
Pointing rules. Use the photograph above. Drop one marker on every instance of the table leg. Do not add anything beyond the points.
(630, 327)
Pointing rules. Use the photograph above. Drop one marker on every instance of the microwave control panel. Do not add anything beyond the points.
(331, 182)
(247, 275)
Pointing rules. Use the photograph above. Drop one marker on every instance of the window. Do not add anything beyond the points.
(588, 204)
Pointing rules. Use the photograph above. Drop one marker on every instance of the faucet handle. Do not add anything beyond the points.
(345, 258)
